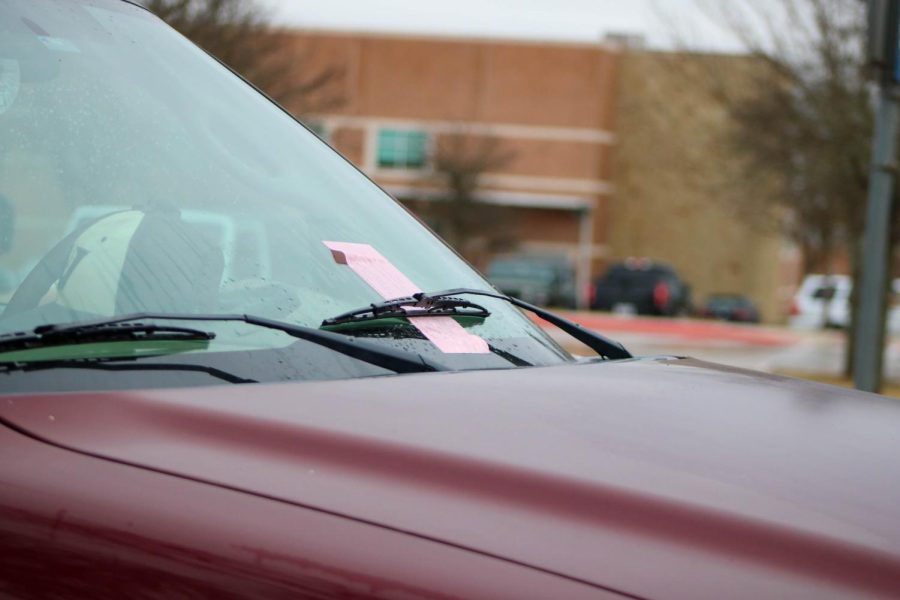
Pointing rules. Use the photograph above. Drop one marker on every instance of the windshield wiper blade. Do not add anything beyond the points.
(411, 306)
(600, 344)
(388, 358)
(121, 364)
(98, 331)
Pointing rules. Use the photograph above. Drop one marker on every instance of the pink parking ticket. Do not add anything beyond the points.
(386, 279)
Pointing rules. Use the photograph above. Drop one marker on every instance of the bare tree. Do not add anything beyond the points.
(804, 119)
(468, 224)
(239, 33)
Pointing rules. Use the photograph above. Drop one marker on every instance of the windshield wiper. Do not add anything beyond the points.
(97, 331)
(75, 333)
(121, 364)
(421, 302)
(411, 307)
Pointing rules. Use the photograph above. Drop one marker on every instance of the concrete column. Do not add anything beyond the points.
(585, 256)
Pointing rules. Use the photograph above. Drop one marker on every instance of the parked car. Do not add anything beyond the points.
(643, 287)
(824, 301)
(538, 279)
(730, 307)
(365, 417)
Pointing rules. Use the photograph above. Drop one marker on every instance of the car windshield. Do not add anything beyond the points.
(138, 174)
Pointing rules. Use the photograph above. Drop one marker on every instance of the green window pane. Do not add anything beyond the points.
(402, 149)
(318, 128)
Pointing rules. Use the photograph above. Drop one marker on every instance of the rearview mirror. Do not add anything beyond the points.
(24, 56)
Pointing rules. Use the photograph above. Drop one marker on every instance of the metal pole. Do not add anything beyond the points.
(870, 309)
(585, 254)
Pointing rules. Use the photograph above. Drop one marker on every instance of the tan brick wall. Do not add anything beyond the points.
(674, 200)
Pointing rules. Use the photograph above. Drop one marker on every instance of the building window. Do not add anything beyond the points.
(398, 149)
(318, 128)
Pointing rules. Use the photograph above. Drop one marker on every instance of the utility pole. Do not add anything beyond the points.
(884, 53)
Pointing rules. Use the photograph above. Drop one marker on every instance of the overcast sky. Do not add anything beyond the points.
(577, 20)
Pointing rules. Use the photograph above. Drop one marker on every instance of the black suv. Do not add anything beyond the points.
(643, 287)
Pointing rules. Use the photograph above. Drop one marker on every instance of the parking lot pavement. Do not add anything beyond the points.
(760, 348)
(823, 352)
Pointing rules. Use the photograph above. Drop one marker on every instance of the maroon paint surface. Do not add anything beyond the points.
(73, 526)
(662, 479)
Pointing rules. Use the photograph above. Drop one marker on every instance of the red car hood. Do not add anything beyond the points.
(660, 478)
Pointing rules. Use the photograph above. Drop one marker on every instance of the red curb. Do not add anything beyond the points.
(682, 328)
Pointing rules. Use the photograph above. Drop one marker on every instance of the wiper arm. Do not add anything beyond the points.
(602, 345)
(443, 306)
(97, 331)
(374, 354)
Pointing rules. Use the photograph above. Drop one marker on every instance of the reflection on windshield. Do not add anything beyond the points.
(139, 174)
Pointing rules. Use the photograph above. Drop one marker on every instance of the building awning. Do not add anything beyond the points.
(500, 198)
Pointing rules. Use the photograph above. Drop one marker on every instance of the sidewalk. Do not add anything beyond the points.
(690, 331)
(760, 348)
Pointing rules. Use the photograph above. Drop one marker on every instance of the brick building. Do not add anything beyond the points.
(611, 153)
(550, 107)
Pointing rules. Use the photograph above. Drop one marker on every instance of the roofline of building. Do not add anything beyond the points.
(450, 37)
(608, 46)
(688, 52)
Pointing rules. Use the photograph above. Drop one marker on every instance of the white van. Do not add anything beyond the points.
(824, 301)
